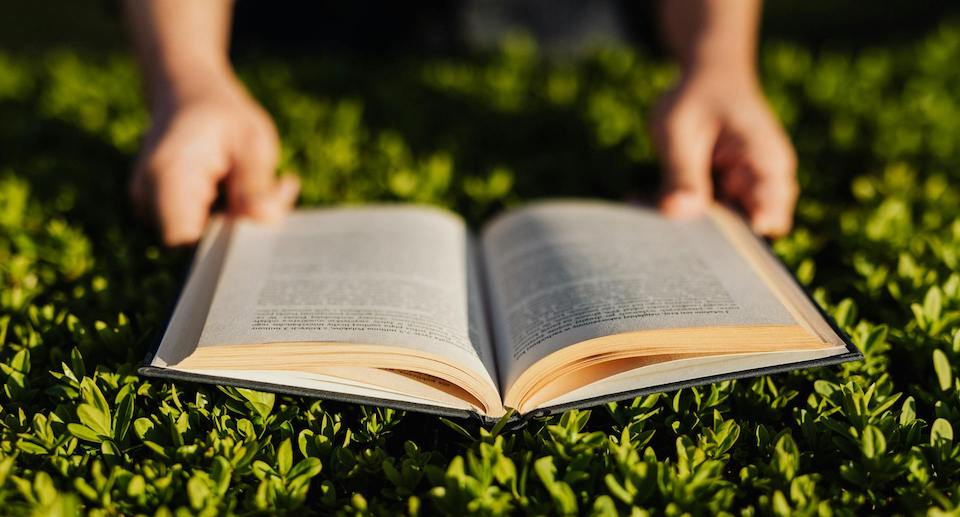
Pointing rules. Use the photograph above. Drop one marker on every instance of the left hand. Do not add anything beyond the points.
(714, 122)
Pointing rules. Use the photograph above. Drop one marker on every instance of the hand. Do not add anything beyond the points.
(713, 122)
(201, 136)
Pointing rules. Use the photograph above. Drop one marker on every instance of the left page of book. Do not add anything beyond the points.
(395, 281)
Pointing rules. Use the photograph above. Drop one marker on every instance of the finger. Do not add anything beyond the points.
(685, 148)
(771, 196)
(181, 196)
(769, 202)
(252, 185)
(272, 206)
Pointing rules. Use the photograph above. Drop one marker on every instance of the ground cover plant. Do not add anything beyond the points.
(83, 289)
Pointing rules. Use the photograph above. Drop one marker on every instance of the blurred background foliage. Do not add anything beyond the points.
(869, 95)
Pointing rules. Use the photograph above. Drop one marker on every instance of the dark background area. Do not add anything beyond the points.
(372, 25)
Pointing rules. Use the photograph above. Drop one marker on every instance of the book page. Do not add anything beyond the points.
(380, 275)
(186, 322)
(688, 369)
(564, 272)
(337, 385)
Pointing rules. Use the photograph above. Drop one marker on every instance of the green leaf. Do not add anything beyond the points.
(604, 506)
(303, 471)
(504, 470)
(786, 457)
(284, 457)
(872, 442)
(221, 475)
(44, 488)
(76, 362)
(137, 486)
(84, 488)
(92, 395)
(933, 304)
(824, 388)
(504, 420)
(260, 401)
(124, 413)
(845, 314)
(21, 361)
(95, 419)
(261, 470)
(4, 326)
(617, 489)
(30, 447)
(908, 411)
(780, 504)
(941, 365)
(561, 493)
(108, 448)
(84, 433)
(143, 427)
(198, 492)
(941, 432)
(457, 427)
(919, 316)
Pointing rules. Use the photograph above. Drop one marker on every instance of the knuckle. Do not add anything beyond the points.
(780, 167)
(161, 160)
(260, 143)
(162, 167)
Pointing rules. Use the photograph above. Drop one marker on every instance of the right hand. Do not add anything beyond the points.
(200, 137)
(714, 120)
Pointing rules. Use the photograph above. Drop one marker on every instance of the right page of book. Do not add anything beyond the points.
(563, 272)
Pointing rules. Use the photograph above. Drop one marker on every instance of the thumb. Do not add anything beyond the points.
(686, 154)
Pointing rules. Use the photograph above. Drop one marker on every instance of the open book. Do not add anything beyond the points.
(556, 305)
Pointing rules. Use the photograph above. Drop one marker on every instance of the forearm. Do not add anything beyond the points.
(181, 44)
(716, 35)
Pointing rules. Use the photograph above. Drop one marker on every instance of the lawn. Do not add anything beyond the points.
(85, 289)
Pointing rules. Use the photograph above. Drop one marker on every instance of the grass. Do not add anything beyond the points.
(85, 288)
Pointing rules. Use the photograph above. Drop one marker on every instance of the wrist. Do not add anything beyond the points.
(722, 77)
(175, 85)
